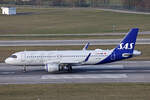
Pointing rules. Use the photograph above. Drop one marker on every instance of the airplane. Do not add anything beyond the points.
(56, 61)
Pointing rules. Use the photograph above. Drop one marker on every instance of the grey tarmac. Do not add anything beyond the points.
(122, 71)
(72, 34)
(66, 42)
(126, 11)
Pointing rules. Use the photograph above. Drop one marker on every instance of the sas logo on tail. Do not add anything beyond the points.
(126, 46)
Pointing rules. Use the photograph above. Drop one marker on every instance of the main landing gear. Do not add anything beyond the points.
(67, 68)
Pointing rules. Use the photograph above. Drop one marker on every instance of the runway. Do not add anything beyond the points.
(66, 42)
(124, 71)
(73, 34)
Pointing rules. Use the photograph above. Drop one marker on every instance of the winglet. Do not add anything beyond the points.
(86, 46)
(87, 58)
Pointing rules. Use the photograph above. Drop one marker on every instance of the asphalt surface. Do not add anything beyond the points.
(73, 34)
(124, 71)
(126, 11)
(66, 42)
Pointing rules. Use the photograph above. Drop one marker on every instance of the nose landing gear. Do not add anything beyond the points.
(25, 68)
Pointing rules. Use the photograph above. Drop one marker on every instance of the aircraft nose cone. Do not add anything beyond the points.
(10, 61)
(6, 60)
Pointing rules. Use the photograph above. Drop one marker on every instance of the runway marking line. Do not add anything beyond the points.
(101, 67)
(87, 76)
(7, 73)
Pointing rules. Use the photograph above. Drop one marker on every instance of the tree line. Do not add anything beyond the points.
(128, 4)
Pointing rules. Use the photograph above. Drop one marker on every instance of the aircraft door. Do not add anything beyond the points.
(23, 56)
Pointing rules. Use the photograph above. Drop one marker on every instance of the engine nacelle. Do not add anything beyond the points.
(52, 67)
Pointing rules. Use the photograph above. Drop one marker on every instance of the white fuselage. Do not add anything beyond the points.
(68, 57)
(58, 60)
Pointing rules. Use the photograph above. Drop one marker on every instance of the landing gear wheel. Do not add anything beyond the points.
(61, 68)
(69, 68)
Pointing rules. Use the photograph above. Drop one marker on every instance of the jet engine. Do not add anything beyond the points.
(52, 67)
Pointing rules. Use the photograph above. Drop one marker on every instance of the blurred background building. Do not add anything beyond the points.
(8, 10)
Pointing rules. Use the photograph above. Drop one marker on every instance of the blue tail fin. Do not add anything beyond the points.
(125, 49)
(128, 43)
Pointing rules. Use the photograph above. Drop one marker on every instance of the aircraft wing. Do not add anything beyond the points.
(69, 61)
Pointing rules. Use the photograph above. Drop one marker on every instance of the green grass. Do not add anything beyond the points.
(70, 20)
(116, 2)
(7, 51)
(101, 91)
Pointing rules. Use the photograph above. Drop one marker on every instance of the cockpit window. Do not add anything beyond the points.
(13, 56)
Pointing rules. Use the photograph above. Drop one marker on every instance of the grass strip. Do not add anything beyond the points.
(99, 91)
(70, 20)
